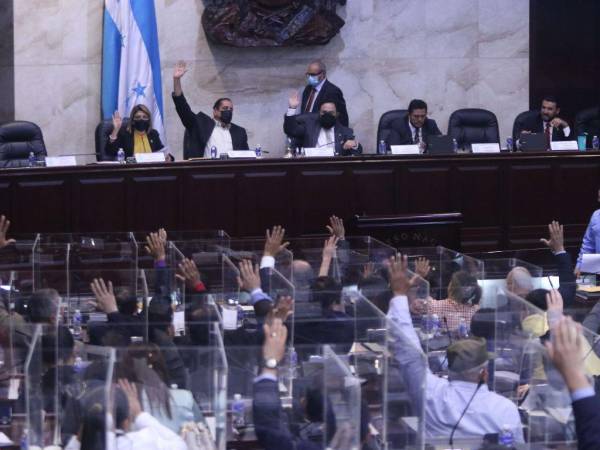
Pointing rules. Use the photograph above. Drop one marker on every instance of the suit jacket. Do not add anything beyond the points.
(200, 126)
(566, 278)
(271, 430)
(331, 92)
(125, 141)
(535, 124)
(400, 133)
(305, 128)
(587, 418)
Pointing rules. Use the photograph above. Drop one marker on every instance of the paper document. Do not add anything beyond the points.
(590, 263)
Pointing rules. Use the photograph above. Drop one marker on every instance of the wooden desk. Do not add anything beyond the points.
(506, 200)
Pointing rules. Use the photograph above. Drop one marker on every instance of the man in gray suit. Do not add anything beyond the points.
(320, 130)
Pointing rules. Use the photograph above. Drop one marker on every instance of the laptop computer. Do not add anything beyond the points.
(533, 142)
(439, 145)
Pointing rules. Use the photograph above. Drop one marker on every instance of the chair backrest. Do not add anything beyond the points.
(519, 123)
(473, 125)
(588, 121)
(385, 122)
(17, 140)
(103, 130)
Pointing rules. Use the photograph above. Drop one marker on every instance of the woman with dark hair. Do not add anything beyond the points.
(134, 428)
(144, 365)
(137, 137)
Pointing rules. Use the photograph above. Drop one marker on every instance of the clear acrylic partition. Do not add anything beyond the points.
(524, 278)
(521, 360)
(341, 402)
(17, 256)
(50, 263)
(229, 275)
(444, 263)
(34, 421)
(253, 249)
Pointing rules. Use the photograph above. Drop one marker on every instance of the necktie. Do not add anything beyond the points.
(547, 131)
(417, 139)
(309, 102)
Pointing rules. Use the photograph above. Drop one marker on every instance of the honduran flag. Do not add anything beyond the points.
(131, 60)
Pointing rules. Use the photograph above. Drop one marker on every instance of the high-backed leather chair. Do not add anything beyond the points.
(103, 130)
(472, 126)
(588, 121)
(519, 123)
(17, 140)
(385, 123)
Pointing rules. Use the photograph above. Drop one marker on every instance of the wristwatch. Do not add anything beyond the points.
(270, 363)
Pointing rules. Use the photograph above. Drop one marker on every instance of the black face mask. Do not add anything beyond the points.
(327, 120)
(141, 125)
(226, 116)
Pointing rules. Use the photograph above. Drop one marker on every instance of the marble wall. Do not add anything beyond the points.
(452, 53)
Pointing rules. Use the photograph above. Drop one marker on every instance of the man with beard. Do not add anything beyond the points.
(547, 122)
(205, 131)
(321, 130)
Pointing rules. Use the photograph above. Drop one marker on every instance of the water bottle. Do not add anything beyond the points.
(24, 444)
(238, 411)
(454, 146)
(595, 143)
(121, 156)
(240, 315)
(463, 329)
(289, 151)
(76, 322)
(293, 363)
(302, 152)
(509, 144)
(78, 365)
(382, 148)
(213, 152)
(435, 324)
(258, 151)
(506, 437)
(32, 160)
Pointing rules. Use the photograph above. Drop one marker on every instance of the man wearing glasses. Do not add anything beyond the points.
(318, 88)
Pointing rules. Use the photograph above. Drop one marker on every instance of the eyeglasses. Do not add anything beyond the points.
(308, 74)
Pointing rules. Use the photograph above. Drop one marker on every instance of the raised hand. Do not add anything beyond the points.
(4, 226)
(283, 309)
(273, 241)
(336, 227)
(130, 391)
(188, 272)
(368, 270)
(556, 241)
(555, 306)
(275, 338)
(117, 123)
(294, 100)
(156, 245)
(105, 296)
(399, 277)
(179, 70)
(330, 247)
(249, 278)
(422, 267)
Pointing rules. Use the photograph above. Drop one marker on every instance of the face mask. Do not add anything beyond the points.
(327, 120)
(313, 80)
(226, 116)
(141, 125)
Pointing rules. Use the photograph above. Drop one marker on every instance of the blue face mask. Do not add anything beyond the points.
(313, 80)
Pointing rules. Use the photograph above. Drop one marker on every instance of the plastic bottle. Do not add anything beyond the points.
(463, 329)
(78, 365)
(454, 146)
(381, 148)
(121, 156)
(76, 323)
(238, 411)
(509, 144)
(213, 152)
(24, 444)
(595, 143)
(435, 324)
(32, 161)
(293, 363)
(258, 151)
(240, 315)
(506, 437)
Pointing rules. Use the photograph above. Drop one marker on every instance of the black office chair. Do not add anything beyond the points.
(519, 123)
(17, 140)
(103, 130)
(473, 126)
(588, 121)
(385, 123)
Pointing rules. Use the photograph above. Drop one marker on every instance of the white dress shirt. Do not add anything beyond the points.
(326, 138)
(443, 400)
(220, 138)
(413, 130)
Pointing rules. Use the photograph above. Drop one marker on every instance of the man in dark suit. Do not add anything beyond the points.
(321, 130)
(205, 131)
(414, 128)
(319, 87)
(547, 122)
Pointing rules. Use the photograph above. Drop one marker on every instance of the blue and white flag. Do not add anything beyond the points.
(131, 60)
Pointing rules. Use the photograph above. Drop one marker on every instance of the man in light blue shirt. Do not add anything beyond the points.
(463, 401)
(591, 239)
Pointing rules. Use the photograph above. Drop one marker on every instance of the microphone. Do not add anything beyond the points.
(455, 427)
